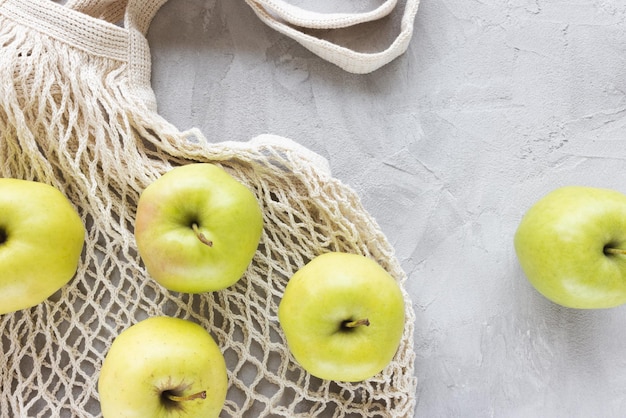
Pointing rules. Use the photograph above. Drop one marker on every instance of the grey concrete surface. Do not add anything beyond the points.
(494, 104)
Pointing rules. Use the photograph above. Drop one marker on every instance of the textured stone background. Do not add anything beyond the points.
(495, 104)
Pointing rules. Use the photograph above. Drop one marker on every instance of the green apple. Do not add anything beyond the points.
(163, 367)
(197, 228)
(571, 245)
(41, 240)
(342, 316)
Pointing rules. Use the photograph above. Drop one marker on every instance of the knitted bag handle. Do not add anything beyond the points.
(108, 10)
(133, 14)
(316, 20)
(292, 21)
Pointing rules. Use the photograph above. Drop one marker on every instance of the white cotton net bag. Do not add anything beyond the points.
(77, 112)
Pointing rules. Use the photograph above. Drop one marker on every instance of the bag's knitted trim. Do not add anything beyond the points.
(95, 36)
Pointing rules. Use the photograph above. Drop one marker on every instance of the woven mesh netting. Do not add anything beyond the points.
(77, 120)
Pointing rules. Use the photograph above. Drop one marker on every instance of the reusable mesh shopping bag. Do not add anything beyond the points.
(77, 112)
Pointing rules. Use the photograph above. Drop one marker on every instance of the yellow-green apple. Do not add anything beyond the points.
(197, 228)
(571, 245)
(41, 240)
(163, 367)
(342, 316)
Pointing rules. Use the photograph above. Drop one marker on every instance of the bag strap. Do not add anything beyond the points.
(108, 10)
(281, 18)
(139, 14)
(132, 14)
(284, 18)
(135, 17)
(315, 20)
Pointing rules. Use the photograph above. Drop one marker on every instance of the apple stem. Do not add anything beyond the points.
(614, 251)
(201, 236)
(354, 324)
(175, 398)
